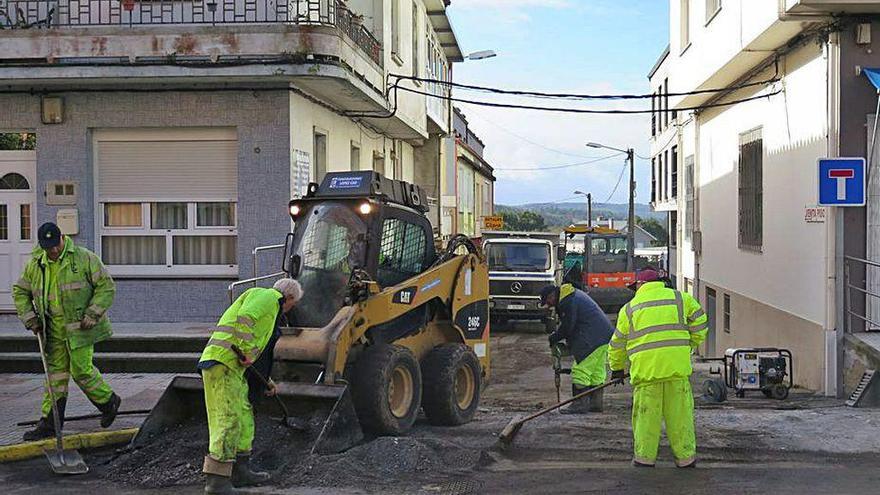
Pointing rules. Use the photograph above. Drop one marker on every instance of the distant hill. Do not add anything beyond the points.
(564, 214)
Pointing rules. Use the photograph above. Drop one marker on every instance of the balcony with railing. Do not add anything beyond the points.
(65, 19)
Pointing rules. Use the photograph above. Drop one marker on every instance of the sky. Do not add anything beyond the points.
(572, 46)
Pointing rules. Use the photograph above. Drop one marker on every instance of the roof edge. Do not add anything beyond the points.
(659, 62)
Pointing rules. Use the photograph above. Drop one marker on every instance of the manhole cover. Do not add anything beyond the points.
(461, 487)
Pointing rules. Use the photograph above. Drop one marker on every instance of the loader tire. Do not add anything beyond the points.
(387, 389)
(452, 381)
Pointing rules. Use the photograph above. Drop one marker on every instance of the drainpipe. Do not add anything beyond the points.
(834, 235)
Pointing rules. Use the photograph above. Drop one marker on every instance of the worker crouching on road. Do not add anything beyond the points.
(586, 330)
(657, 331)
(64, 293)
(245, 329)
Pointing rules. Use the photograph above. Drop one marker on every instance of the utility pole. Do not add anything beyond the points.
(630, 234)
(630, 237)
(589, 210)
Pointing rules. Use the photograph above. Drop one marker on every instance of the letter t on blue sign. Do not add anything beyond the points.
(842, 182)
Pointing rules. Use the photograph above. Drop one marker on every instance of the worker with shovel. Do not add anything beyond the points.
(586, 330)
(63, 296)
(241, 336)
(656, 332)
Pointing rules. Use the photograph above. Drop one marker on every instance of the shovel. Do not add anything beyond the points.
(509, 432)
(287, 420)
(62, 461)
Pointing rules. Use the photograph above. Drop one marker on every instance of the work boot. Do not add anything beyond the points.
(44, 429)
(580, 406)
(243, 475)
(109, 410)
(638, 464)
(219, 485)
(597, 399)
(46, 426)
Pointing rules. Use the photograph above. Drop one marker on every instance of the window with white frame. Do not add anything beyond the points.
(685, 24)
(712, 8)
(355, 156)
(319, 154)
(416, 52)
(486, 198)
(689, 198)
(395, 30)
(167, 206)
(169, 234)
(379, 162)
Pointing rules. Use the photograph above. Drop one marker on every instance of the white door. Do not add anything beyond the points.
(17, 215)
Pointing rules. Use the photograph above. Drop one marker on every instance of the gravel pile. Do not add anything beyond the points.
(175, 459)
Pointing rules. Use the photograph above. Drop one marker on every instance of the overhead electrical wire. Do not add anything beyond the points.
(586, 110)
(619, 179)
(558, 167)
(582, 96)
(527, 140)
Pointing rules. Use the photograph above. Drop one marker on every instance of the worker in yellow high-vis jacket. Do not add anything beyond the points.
(657, 331)
(64, 294)
(247, 327)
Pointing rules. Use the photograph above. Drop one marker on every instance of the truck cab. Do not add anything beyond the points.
(596, 261)
(520, 265)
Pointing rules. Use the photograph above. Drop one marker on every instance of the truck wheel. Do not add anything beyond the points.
(452, 384)
(387, 389)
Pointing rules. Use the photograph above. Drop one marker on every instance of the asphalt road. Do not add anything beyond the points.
(813, 445)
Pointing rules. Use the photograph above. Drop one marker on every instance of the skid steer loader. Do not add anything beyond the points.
(386, 326)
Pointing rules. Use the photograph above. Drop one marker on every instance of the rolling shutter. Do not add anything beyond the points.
(162, 167)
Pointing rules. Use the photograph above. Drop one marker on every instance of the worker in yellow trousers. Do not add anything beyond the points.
(244, 332)
(657, 331)
(64, 294)
(586, 330)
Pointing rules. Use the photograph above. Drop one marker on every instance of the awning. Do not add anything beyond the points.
(873, 75)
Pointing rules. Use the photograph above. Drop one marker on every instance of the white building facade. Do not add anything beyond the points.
(757, 92)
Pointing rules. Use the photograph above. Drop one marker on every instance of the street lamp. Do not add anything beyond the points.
(482, 55)
(630, 234)
(589, 207)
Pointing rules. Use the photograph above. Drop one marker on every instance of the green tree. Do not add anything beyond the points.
(655, 228)
(523, 221)
(18, 141)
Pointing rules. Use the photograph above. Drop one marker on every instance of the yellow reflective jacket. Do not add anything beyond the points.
(657, 331)
(83, 286)
(247, 324)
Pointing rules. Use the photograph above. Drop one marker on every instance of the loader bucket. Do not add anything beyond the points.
(182, 401)
(332, 423)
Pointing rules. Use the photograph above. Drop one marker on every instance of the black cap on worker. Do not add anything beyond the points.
(49, 235)
(545, 293)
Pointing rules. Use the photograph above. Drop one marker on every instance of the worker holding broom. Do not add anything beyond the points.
(586, 330)
(62, 297)
(657, 331)
(243, 333)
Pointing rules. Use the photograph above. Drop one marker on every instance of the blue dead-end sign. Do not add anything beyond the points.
(842, 182)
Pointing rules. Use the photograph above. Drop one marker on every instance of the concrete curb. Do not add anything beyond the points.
(91, 440)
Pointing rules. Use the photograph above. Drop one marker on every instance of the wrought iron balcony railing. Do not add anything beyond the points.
(54, 14)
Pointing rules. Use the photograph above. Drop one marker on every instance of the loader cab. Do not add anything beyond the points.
(354, 220)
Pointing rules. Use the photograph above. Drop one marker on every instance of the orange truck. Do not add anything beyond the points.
(599, 264)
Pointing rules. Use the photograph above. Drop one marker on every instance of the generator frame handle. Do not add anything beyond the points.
(729, 360)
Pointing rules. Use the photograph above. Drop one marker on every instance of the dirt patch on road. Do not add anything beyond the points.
(175, 459)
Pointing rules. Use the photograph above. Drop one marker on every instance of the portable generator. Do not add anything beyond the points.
(765, 369)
